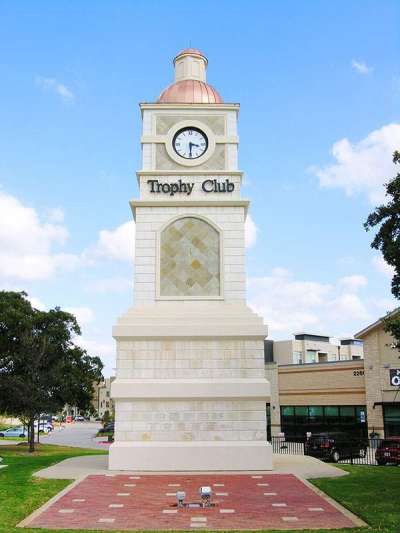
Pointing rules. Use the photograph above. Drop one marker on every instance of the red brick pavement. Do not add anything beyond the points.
(145, 500)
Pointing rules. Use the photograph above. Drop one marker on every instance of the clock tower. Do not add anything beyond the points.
(190, 390)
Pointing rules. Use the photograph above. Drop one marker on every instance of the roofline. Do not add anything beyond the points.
(376, 323)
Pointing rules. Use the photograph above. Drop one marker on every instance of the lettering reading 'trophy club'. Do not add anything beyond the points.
(182, 187)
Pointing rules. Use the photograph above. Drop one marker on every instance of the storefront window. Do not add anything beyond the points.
(331, 411)
(391, 420)
(297, 421)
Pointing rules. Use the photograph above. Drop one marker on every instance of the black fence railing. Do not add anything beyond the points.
(357, 451)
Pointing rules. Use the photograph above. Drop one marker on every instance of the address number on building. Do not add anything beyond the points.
(358, 372)
(395, 377)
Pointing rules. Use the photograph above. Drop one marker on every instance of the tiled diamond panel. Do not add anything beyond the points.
(190, 259)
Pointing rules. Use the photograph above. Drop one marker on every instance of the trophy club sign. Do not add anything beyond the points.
(186, 187)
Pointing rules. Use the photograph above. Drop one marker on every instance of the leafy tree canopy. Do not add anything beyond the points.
(386, 218)
(41, 367)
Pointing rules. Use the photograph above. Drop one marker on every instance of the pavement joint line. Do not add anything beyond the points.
(270, 494)
(279, 505)
(65, 511)
(106, 520)
(227, 511)
(78, 500)
(289, 518)
(123, 494)
(116, 505)
(320, 509)
(170, 511)
(198, 519)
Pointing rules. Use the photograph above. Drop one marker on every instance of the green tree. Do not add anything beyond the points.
(41, 368)
(386, 218)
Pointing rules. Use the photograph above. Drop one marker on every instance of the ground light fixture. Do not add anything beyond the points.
(205, 493)
(180, 496)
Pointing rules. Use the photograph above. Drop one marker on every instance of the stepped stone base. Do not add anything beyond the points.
(190, 456)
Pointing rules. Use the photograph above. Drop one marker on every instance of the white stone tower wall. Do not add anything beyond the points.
(190, 388)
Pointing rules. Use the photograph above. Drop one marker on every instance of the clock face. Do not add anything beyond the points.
(190, 143)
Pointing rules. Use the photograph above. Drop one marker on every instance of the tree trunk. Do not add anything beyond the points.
(32, 434)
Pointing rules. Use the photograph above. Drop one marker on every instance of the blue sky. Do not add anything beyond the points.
(319, 86)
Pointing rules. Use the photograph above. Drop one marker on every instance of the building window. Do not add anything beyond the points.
(391, 420)
(298, 358)
(311, 356)
(297, 421)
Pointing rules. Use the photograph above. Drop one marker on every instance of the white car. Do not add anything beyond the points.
(44, 427)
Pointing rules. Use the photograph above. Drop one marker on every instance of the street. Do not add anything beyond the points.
(78, 434)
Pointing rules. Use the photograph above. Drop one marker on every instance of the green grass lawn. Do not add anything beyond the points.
(371, 492)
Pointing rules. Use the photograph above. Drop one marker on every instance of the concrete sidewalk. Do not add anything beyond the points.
(77, 467)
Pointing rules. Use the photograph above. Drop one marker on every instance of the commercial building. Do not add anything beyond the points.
(382, 379)
(102, 400)
(319, 386)
(307, 348)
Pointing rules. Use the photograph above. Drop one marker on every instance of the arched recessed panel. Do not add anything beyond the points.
(190, 259)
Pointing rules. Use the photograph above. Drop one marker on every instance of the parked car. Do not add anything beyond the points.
(79, 418)
(44, 427)
(388, 451)
(335, 446)
(14, 432)
(108, 428)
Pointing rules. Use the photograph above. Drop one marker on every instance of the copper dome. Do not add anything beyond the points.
(190, 85)
(190, 92)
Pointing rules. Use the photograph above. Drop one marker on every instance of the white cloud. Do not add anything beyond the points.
(51, 84)
(381, 266)
(353, 283)
(26, 243)
(290, 305)
(250, 232)
(37, 303)
(84, 315)
(117, 244)
(103, 349)
(363, 167)
(110, 285)
(361, 67)
(55, 214)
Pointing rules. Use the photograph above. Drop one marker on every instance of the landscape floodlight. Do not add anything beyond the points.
(205, 493)
(180, 496)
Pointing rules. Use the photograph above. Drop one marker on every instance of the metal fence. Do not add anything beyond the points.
(358, 452)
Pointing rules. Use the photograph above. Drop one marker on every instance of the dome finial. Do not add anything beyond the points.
(190, 86)
(190, 64)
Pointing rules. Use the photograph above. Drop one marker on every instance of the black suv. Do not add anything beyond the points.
(335, 446)
(108, 428)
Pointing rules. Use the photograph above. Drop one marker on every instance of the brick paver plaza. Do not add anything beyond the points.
(148, 502)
